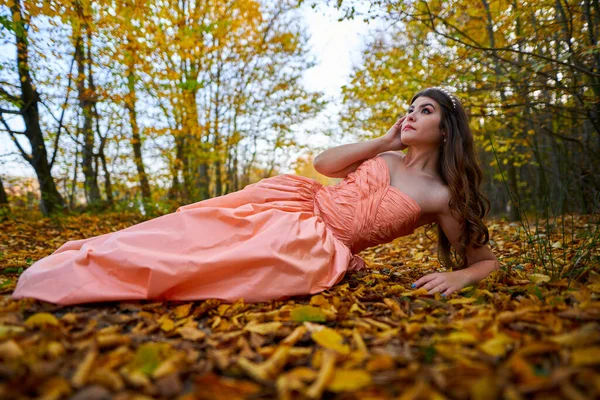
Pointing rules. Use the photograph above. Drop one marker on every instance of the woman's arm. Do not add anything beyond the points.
(339, 161)
(481, 262)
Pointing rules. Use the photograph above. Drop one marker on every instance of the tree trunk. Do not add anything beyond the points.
(74, 181)
(107, 182)
(136, 140)
(52, 201)
(512, 172)
(217, 140)
(86, 102)
(4, 207)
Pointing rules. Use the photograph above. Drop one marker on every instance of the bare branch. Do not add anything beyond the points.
(12, 133)
(5, 111)
(14, 99)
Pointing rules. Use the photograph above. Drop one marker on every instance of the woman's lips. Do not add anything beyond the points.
(408, 126)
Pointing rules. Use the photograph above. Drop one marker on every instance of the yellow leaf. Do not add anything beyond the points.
(586, 356)
(538, 278)
(55, 387)
(484, 388)
(221, 309)
(594, 287)
(461, 337)
(303, 373)
(417, 292)
(7, 330)
(462, 300)
(167, 325)
(190, 331)
(347, 380)
(41, 319)
(319, 300)
(263, 329)
(586, 335)
(10, 350)
(182, 311)
(412, 328)
(69, 318)
(356, 308)
(418, 256)
(380, 363)
(332, 340)
(496, 346)
(84, 368)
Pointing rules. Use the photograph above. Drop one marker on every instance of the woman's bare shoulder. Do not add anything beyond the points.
(392, 154)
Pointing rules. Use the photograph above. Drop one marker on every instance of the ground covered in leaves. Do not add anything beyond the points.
(515, 335)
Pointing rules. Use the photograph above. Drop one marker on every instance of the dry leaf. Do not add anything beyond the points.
(348, 380)
(331, 340)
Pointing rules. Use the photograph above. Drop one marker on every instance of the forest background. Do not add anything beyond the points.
(212, 90)
(165, 103)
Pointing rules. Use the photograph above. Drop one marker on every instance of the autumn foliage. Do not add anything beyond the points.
(517, 334)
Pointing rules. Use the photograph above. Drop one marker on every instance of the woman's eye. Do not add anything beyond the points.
(426, 109)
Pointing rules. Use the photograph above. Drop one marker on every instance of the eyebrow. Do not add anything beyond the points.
(423, 106)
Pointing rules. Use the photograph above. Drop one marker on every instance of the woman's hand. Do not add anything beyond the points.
(392, 137)
(444, 282)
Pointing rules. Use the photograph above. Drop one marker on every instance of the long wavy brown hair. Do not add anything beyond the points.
(459, 168)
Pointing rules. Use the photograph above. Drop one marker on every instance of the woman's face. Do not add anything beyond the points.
(421, 126)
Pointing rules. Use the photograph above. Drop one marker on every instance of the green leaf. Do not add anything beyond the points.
(10, 270)
(191, 85)
(429, 352)
(536, 290)
(148, 356)
(308, 313)
(6, 283)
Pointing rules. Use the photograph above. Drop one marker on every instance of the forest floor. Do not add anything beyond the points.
(517, 334)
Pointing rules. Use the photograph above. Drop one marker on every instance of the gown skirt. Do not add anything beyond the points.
(264, 242)
(282, 236)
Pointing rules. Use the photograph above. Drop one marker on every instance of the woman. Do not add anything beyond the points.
(441, 174)
(290, 235)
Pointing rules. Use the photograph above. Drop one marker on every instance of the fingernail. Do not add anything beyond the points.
(443, 294)
(413, 285)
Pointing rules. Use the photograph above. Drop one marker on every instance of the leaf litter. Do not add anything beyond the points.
(517, 334)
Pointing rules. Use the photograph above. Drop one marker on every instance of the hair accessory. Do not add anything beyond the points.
(447, 94)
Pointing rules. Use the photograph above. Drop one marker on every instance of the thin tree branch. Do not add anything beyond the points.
(12, 133)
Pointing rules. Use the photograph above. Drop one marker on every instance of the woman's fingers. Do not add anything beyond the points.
(440, 287)
(434, 283)
(424, 279)
(430, 285)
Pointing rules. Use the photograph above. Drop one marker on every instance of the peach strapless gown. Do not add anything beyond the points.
(282, 236)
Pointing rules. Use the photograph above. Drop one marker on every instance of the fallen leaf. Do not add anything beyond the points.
(308, 313)
(264, 329)
(40, 320)
(497, 346)
(348, 380)
(182, 311)
(586, 356)
(332, 340)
